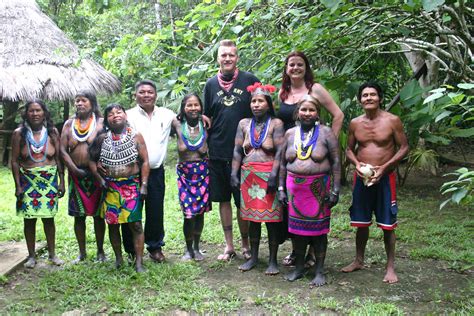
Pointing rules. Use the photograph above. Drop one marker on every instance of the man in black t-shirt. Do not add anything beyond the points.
(226, 102)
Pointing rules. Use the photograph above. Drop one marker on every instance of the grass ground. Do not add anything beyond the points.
(434, 262)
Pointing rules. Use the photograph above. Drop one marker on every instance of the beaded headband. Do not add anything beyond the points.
(258, 88)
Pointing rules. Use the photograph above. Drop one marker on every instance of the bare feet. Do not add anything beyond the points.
(272, 269)
(249, 265)
(140, 268)
(319, 280)
(187, 256)
(118, 262)
(390, 277)
(79, 259)
(294, 275)
(56, 261)
(198, 256)
(354, 266)
(30, 263)
(101, 257)
(227, 255)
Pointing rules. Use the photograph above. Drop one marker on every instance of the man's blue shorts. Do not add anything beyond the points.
(380, 198)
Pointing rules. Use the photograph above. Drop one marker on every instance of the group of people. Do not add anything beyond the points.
(281, 169)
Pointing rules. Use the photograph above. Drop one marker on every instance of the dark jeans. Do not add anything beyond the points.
(154, 229)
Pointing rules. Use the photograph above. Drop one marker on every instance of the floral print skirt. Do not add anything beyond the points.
(121, 202)
(40, 192)
(193, 187)
(256, 204)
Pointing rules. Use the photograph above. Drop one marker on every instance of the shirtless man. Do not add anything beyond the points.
(84, 192)
(376, 138)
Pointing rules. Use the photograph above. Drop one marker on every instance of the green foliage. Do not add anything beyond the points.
(329, 303)
(369, 307)
(277, 304)
(422, 159)
(445, 114)
(453, 111)
(461, 189)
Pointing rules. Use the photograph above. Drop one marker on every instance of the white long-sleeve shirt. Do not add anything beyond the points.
(155, 130)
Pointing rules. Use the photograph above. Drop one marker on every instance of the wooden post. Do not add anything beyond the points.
(10, 109)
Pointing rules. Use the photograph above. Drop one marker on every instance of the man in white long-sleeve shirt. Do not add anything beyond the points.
(154, 123)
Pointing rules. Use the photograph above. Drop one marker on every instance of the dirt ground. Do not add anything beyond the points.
(422, 283)
(425, 287)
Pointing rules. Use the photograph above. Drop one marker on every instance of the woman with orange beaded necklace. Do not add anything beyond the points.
(84, 191)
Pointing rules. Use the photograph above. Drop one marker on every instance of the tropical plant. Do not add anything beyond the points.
(461, 189)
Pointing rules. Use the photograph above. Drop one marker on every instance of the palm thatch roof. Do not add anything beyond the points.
(37, 60)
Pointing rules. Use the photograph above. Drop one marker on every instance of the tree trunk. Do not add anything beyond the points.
(66, 111)
(416, 60)
(173, 35)
(158, 20)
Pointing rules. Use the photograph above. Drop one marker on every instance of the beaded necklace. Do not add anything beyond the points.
(257, 140)
(193, 143)
(82, 134)
(304, 147)
(37, 148)
(119, 150)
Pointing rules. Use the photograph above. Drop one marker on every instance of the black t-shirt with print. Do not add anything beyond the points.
(226, 110)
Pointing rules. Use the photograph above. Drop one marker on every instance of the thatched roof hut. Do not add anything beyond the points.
(37, 60)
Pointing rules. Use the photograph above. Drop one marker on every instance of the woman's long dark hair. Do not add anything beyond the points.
(181, 115)
(47, 119)
(93, 100)
(286, 81)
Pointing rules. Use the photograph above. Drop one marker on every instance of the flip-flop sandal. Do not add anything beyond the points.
(246, 254)
(310, 261)
(289, 260)
(227, 256)
(30, 263)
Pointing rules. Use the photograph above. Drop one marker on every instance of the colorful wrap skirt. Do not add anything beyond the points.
(121, 202)
(308, 213)
(193, 187)
(40, 192)
(84, 196)
(255, 204)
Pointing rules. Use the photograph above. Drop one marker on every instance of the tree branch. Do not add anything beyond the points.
(425, 45)
(461, 23)
(231, 13)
